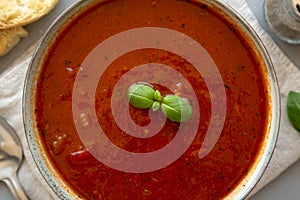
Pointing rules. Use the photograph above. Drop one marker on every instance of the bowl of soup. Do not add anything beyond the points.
(90, 141)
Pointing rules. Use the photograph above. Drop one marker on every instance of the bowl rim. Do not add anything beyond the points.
(65, 18)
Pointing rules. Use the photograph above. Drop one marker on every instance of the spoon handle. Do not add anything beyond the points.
(15, 187)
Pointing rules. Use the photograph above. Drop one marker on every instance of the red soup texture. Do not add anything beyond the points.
(189, 177)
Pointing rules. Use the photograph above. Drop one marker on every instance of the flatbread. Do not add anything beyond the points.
(9, 38)
(16, 13)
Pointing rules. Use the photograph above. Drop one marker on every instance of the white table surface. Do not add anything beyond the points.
(285, 187)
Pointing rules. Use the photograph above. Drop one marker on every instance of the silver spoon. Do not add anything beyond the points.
(11, 155)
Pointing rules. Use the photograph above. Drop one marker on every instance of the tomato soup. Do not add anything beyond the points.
(190, 176)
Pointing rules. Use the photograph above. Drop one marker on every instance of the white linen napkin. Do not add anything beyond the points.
(11, 91)
(286, 153)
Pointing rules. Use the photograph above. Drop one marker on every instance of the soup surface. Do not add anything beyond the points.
(189, 177)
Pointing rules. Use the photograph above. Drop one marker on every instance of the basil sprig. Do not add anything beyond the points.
(293, 108)
(173, 107)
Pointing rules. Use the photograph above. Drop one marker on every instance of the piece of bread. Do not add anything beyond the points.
(16, 13)
(9, 38)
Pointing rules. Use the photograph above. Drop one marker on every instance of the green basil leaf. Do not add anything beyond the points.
(176, 108)
(293, 108)
(141, 96)
(155, 106)
(157, 96)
